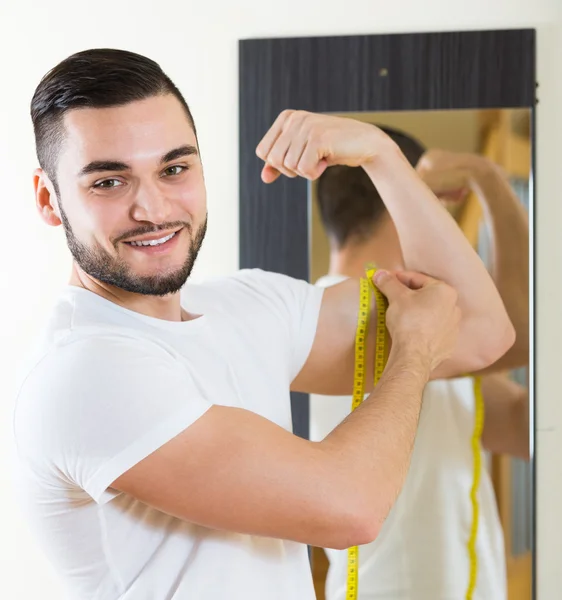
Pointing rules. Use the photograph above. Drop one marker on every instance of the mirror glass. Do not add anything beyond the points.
(492, 207)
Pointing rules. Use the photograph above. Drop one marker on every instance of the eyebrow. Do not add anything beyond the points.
(99, 166)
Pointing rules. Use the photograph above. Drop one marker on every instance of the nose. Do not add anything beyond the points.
(151, 204)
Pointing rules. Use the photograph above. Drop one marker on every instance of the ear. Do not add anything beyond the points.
(46, 198)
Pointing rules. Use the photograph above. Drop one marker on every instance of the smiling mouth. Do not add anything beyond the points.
(157, 242)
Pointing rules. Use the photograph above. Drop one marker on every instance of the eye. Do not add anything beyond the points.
(107, 184)
(174, 170)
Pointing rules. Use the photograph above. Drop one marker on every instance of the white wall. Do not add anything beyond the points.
(196, 44)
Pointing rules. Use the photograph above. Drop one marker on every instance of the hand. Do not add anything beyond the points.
(422, 317)
(303, 143)
(452, 175)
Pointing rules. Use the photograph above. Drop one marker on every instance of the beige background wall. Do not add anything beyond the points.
(196, 43)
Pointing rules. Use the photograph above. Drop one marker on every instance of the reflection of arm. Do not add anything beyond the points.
(506, 424)
(510, 254)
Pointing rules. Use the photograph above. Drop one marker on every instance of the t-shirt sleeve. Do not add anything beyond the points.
(94, 408)
(295, 305)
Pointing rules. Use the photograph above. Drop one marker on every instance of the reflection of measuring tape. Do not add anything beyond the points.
(366, 288)
(476, 434)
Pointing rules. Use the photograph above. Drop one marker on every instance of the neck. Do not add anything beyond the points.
(382, 249)
(167, 308)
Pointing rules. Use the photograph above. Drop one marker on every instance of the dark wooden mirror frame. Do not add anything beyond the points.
(361, 73)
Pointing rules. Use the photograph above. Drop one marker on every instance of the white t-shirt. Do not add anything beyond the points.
(109, 386)
(421, 552)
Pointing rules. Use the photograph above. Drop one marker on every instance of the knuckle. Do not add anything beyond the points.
(294, 117)
(301, 115)
(291, 163)
(275, 158)
(285, 171)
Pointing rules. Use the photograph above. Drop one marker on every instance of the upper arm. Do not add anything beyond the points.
(330, 365)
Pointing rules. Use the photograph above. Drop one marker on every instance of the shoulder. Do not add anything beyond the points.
(248, 289)
(102, 397)
(250, 280)
(329, 280)
(90, 356)
(83, 375)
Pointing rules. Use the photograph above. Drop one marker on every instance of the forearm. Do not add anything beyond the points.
(371, 448)
(506, 416)
(432, 243)
(430, 239)
(510, 252)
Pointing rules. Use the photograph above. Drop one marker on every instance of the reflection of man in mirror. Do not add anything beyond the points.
(421, 552)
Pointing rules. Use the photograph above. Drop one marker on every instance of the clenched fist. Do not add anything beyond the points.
(303, 143)
(452, 175)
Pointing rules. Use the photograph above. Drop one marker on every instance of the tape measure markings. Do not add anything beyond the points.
(477, 468)
(367, 286)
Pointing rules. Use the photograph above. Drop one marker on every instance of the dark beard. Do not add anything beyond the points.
(99, 264)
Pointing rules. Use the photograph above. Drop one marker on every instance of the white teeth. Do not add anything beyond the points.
(154, 242)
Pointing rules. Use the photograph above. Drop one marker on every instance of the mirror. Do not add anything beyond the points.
(433, 514)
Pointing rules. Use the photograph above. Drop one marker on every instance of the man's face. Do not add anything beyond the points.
(132, 194)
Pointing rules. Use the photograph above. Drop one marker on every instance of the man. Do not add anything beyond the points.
(157, 459)
(421, 552)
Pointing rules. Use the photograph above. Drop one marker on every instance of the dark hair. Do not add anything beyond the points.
(350, 205)
(97, 78)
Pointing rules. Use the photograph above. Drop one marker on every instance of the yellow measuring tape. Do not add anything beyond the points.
(477, 468)
(367, 287)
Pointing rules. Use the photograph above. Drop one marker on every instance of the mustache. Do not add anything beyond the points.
(152, 229)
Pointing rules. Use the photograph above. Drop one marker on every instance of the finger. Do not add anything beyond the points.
(414, 280)
(431, 158)
(453, 196)
(266, 143)
(276, 156)
(269, 174)
(423, 165)
(295, 151)
(445, 180)
(288, 145)
(389, 284)
(311, 165)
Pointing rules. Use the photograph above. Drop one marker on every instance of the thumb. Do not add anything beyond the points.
(414, 280)
(269, 174)
(389, 284)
